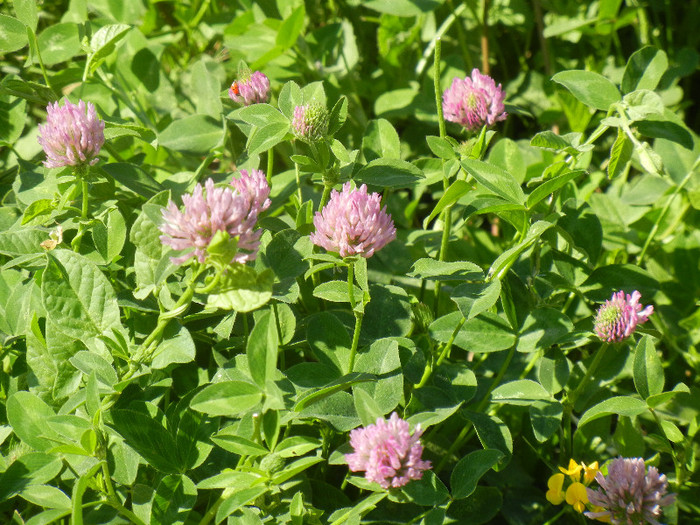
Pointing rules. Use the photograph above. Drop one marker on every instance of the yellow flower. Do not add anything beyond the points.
(576, 496)
(604, 519)
(555, 494)
(590, 472)
(573, 471)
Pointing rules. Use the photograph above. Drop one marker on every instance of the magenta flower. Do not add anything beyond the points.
(618, 317)
(310, 122)
(72, 136)
(387, 452)
(353, 223)
(629, 495)
(474, 102)
(233, 209)
(252, 89)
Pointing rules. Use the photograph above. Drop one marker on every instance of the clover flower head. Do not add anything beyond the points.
(387, 452)
(233, 209)
(72, 135)
(630, 494)
(619, 316)
(474, 102)
(353, 223)
(253, 88)
(310, 122)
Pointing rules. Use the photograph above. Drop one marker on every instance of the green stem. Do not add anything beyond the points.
(664, 211)
(677, 465)
(297, 175)
(438, 90)
(32, 36)
(589, 373)
(358, 316)
(326, 195)
(84, 208)
(430, 366)
(451, 19)
(206, 519)
(555, 519)
(113, 500)
(270, 165)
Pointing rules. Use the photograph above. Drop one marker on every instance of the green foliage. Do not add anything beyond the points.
(136, 388)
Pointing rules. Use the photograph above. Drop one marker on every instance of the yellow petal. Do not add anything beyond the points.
(590, 472)
(555, 494)
(576, 496)
(573, 470)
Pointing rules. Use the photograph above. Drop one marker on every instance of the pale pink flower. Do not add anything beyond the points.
(233, 209)
(72, 136)
(310, 122)
(252, 89)
(619, 316)
(629, 494)
(353, 223)
(387, 452)
(474, 102)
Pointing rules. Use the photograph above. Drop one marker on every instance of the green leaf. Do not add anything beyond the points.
(262, 349)
(242, 289)
(260, 115)
(429, 491)
(295, 468)
(546, 418)
(620, 154)
(173, 500)
(469, 470)
(134, 178)
(452, 194)
(389, 173)
(659, 399)
(59, 43)
(46, 496)
(27, 414)
(291, 28)
(593, 89)
(228, 398)
(14, 112)
(475, 298)
(296, 446)
(102, 45)
(337, 292)
(329, 340)
(228, 440)
(194, 135)
(403, 8)
(427, 268)
(620, 405)
(78, 297)
(13, 34)
(507, 258)
(262, 139)
(336, 119)
(22, 241)
(147, 437)
(237, 500)
(89, 362)
(109, 235)
(479, 508)
(553, 371)
(380, 141)
(177, 346)
(548, 187)
(495, 180)
(381, 359)
(550, 140)
(485, 333)
(648, 371)
(441, 147)
(492, 433)
(367, 408)
(644, 69)
(26, 12)
(543, 328)
(340, 384)
(289, 98)
(520, 392)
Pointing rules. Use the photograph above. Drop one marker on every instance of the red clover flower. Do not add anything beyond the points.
(629, 494)
(474, 102)
(72, 136)
(232, 209)
(619, 316)
(251, 89)
(387, 452)
(310, 122)
(353, 223)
